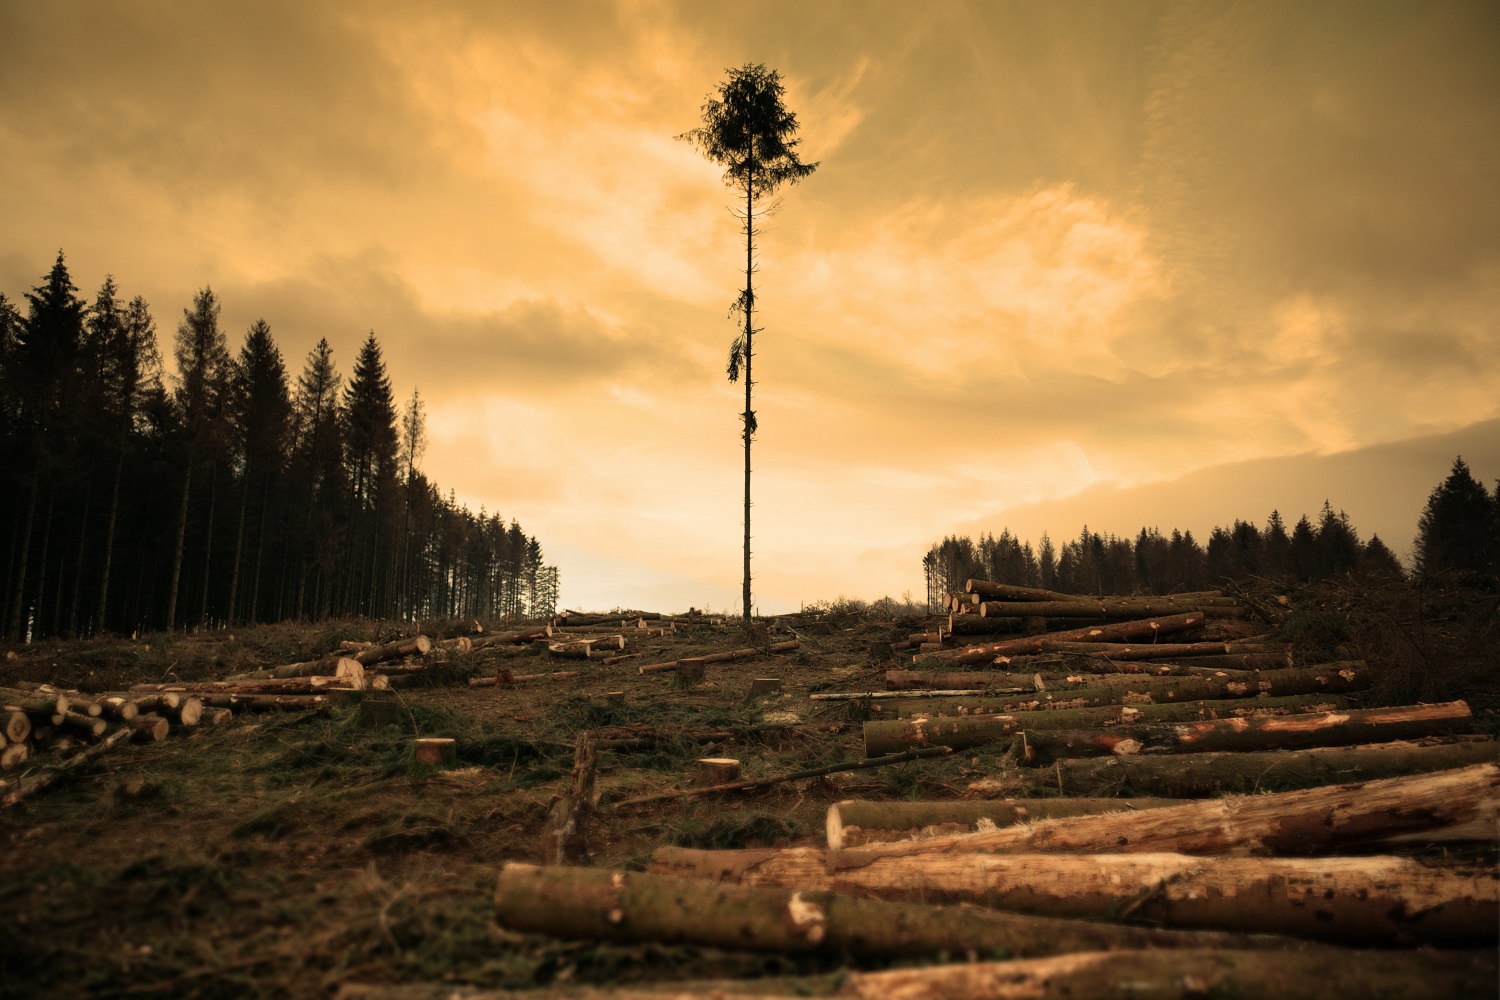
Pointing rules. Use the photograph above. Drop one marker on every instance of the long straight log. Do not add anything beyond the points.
(591, 904)
(854, 822)
(1108, 715)
(1049, 680)
(1271, 732)
(1147, 628)
(723, 657)
(999, 680)
(1107, 609)
(521, 637)
(267, 702)
(17, 726)
(287, 685)
(813, 772)
(986, 590)
(1380, 901)
(418, 645)
(1200, 775)
(1331, 678)
(877, 695)
(1192, 975)
(34, 703)
(1312, 821)
(1162, 651)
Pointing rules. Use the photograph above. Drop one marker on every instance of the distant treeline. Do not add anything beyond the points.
(1459, 532)
(227, 493)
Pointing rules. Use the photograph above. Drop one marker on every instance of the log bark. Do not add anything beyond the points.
(1201, 775)
(1331, 678)
(577, 650)
(1147, 628)
(34, 703)
(120, 708)
(1312, 821)
(87, 725)
(149, 728)
(1124, 651)
(189, 711)
(565, 841)
(288, 685)
(591, 904)
(1108, 715)
(35, 783)
(998, 680)
(853, 822)
(986, 590)
(159, 702)
(724, 657)
(1192, 975)
(267, 702)
(522, 637)
(879, 695)
(1272, 732)
(1103, 609)
(418, 645)
(1371, 901)
(815, 772)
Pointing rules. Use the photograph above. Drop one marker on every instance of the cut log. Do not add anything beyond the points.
(35, 783)
(1147, 628)
(878, 695)
(1108, 715)
(418, 645)
(986, 590)
(606, 645)
(149, 728)
(1130, 652)
(218, 716)
(715, 771)
(287, 685)
(34, 703)
(80, 705)
(189, 711)
(815, 772)
(116, 707)
(724, 657)
(578, 650)
(1103, 609)
(1380, 901)
(591, 904)
(1200, 775)
(160, 702)
(17, 727)
(435, 751)
(88, 725)
(852, 823)
(998, 680)
(522, 637)
(1312, 821)
(1330, 678)
(1192, 975)
(266, 702)
(1271, 732)
(565, 840)
(458, 644)
(610, 661)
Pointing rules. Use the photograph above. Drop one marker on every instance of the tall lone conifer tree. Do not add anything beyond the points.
(748, 130)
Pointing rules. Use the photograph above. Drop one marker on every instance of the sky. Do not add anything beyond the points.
(1121, 264)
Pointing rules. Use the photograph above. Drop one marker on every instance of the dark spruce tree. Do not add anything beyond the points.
(262, 424)
(1455, 533)
(370, 454)
(749, 132)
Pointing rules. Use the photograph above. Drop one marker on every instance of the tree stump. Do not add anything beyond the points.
(715, 771)
(760, 687)
(435, 752)
(615, 697)
(689, 672)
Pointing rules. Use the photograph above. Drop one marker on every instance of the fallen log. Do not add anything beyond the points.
(854, 822)
(149, 728)
(576, 649)
(505, 678)
(1271, 732)
(565, 839)
(327, 666)
(1130, 652)
(34, 703)
(1371, 901)
(877, 695)
(598, 905)
(987, 590)
(267, 702)
(117, 707)
(999, 680)
(1045, 679)
(1312, 821)
(34, 783)
(1108, 715)
(1110, 609)
(17, 727)
(287, 685)
(1200, 775)
(418, 645)
(724, 657)
(1120, 632)
(522, 637)
(1330, 678)
(814, 772)
(1192, 975)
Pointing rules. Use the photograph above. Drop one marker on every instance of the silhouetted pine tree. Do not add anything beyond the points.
(1455, 532)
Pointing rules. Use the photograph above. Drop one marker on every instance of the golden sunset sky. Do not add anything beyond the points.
(1120, 263)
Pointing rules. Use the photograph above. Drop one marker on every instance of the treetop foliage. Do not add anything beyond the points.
(748, 130)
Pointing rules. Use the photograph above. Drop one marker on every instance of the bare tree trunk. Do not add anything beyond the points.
(83, 534)
(239, 548)
(208, 541)
(182, 517)
(16, 626)
(109, 539)
(749, 353)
